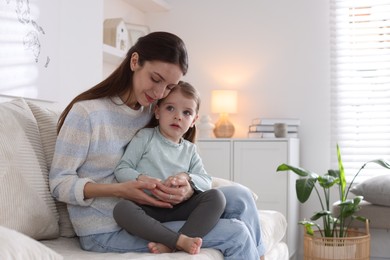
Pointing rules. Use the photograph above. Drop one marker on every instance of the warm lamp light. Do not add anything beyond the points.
(224, 102)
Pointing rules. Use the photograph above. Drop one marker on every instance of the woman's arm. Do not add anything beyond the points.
(131, 190)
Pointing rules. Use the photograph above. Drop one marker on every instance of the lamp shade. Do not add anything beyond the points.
(224, 101)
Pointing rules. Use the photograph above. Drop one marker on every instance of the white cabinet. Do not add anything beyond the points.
(253, 163)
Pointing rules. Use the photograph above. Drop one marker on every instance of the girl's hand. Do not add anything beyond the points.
(174, 189)
(134, 191)
(148, 179)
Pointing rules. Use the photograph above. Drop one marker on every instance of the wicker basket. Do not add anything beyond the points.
(355, 246)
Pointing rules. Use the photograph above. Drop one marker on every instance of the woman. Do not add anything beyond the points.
(93, 132)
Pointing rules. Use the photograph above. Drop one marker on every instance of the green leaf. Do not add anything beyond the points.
(343, 182)
(327, 181)
(360, 218)
(304, 188)
(321, 214)
(308, 226)
(334, 173)
(382, 163)
(297, 170)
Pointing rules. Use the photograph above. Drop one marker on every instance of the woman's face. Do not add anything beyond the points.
(153, 80)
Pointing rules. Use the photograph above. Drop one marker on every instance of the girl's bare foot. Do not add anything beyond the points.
(190, 245)
(262, 257)
(157, 248)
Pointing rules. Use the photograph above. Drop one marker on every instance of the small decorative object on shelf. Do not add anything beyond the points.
(205, 127)
(274, 127)
(280, 130)
(115, 34)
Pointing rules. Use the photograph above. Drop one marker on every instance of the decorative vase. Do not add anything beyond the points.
(205, 127)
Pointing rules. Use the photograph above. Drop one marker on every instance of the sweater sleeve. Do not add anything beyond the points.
(127, 166)
(71, 149)
(200, 179)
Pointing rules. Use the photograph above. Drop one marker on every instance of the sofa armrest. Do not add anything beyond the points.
(220, 182)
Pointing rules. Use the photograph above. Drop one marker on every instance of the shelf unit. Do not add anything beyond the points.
(150, 5)
(113, 55)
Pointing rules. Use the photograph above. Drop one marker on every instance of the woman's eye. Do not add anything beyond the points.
(156, 80)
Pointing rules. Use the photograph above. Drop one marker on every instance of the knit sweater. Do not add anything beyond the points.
(150, 153)
(89, 146)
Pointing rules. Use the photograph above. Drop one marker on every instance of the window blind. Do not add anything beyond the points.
(360, 84)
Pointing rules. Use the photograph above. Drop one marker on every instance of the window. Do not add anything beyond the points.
(360, 83)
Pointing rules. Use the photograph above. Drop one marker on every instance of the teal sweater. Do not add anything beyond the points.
(88, 148)
(150, 153)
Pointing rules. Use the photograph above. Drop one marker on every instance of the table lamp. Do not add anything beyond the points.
(224, 102)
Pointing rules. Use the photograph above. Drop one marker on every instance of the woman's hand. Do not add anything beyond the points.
(175, 189)
(134, 191)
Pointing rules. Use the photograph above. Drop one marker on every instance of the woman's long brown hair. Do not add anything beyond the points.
(160, 46)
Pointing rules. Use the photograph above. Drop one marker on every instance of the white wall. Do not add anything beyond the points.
(276, 53)
(81, 57)
(65, 56)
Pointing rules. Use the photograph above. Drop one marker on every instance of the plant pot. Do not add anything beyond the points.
(355, 246)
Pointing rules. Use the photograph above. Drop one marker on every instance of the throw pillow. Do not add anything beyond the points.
(17, 246)
(47, 123)
(375, 190)
(26, 204)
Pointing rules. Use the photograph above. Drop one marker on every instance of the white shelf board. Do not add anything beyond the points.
(113, 55)
(150, 5)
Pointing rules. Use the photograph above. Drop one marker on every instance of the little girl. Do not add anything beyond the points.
(164, 151)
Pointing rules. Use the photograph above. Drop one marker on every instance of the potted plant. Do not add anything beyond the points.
(335, 225)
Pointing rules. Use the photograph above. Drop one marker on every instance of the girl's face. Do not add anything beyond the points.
(176, 114)
(153, 81)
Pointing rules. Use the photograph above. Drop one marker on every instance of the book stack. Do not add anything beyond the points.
(264, 127)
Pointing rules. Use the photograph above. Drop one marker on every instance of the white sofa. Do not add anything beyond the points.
(35, 226)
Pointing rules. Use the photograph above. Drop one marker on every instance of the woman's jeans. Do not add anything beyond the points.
(237, 234)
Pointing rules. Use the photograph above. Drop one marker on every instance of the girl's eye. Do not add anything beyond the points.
(170, 108)
(187, 113)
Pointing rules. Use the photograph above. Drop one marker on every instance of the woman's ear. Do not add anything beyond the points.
(134, 61)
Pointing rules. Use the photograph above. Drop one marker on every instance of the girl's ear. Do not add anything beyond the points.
(157, 112)
(134, 61)
(193, 121)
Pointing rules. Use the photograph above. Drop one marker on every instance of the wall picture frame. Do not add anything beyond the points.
(136, 31)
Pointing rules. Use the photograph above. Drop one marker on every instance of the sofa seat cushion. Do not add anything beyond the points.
(26, 204)
(70, 249)
(273, 230)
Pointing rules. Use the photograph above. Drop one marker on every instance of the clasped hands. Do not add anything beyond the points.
(166, 193)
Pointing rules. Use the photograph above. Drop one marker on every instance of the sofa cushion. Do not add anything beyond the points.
(26, 204)
(375, 190)
(47, 123)
(17, 246)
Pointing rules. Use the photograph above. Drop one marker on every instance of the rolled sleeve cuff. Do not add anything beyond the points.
(79, 192)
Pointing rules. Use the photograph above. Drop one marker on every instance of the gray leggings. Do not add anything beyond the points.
(202, 212)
